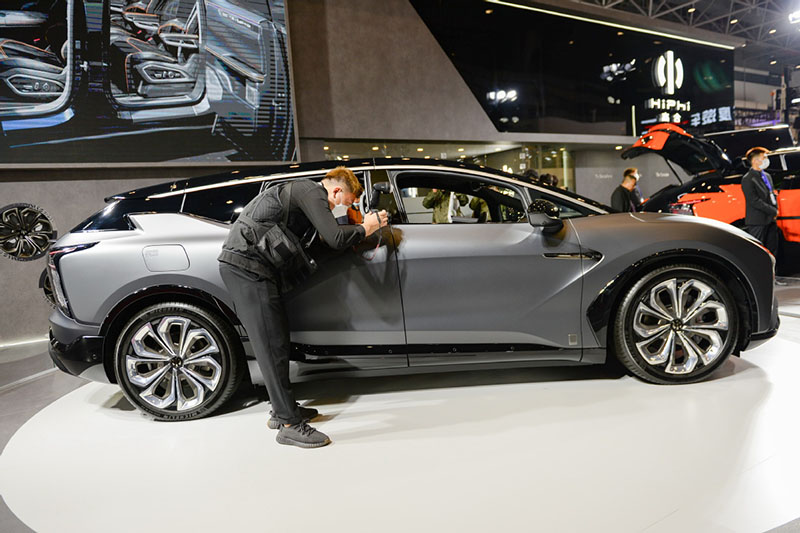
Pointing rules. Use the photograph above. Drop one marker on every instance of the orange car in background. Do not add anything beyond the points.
(716, 166)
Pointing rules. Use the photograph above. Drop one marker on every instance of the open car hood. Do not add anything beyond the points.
(693, 154)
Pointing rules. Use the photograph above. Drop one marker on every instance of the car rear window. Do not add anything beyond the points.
(114, 217)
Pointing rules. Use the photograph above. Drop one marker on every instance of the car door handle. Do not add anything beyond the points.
(590, 255)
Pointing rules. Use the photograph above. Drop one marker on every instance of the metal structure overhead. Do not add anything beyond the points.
(772, 42)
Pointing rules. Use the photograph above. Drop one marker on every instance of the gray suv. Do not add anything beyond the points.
(518, 274)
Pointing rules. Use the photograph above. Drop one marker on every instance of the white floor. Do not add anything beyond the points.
(572, 449)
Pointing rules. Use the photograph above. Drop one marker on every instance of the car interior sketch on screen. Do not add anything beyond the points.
(214, 72)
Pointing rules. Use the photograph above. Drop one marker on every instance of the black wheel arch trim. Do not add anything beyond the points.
(150, 295)
(604, 306)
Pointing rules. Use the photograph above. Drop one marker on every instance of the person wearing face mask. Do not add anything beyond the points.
(256, 286)
(761, 205)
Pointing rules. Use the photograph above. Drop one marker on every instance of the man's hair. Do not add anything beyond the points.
(753, 152)
(630, 172)
(345, 177)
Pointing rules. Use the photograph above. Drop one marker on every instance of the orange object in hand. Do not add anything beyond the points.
(354, 216)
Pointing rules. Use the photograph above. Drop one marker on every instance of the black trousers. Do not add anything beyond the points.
(260, 307)
(767, 235)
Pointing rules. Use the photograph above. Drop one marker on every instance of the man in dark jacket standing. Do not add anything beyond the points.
(256, 286)
(622, 198)
(761, 205)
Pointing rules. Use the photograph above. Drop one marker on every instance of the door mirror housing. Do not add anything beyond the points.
(382, 187)
(544, 214)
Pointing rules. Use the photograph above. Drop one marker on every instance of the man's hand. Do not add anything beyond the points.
(375, 221)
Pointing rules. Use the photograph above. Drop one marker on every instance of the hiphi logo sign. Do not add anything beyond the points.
(668, 72)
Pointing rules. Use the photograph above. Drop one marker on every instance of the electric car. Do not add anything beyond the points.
(519, 275)
(716, 166)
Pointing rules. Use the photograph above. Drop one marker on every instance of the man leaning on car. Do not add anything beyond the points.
(761, 206)
(257, 286)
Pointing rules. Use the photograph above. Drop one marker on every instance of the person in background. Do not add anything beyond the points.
(761, 205)
(637, 192)
(444, 204)
(480, 209)
(622, 198)
(531, 175)
(550, 180)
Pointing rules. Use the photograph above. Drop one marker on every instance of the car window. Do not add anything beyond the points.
(566, 209)
(385, 200)
(221, 203)
(441, 198)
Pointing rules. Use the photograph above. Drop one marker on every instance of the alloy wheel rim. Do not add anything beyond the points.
(25, 232)
(679, 324)
(173, 363)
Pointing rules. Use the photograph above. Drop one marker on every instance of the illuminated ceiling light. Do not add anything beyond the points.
(326, 147)
(461, 149)
(773, 61)
(346, 156)
(734, 21)
(656, 42)
(420, 149)
(794, 18)
(497, 149)
(612, 24)
(773, 30)
(489, 11)
(618, 147)
(229, 202)
(620, 33)
(388, 157)
(797, 66)
(375, 148)
(691, 10)
(572, 42)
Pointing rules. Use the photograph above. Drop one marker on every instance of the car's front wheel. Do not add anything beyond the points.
(176, 361)
(676, 325)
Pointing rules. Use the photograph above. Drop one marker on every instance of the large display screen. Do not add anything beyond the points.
(145, 81)
(533, 70)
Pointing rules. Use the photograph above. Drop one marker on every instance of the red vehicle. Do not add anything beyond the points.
(715, 190)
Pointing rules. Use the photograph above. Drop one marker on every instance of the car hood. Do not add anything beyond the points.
(623, 219)
(693, 154)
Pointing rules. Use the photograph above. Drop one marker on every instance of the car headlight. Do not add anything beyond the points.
(53, 258)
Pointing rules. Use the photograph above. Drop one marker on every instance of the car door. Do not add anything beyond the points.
(247, 75)
(349, 314)
(484, 287)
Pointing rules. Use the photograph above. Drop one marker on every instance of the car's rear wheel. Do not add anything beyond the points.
(676, 325)
(176, 361)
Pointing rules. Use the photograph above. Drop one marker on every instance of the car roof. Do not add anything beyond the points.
(300, 168)
(240, 176)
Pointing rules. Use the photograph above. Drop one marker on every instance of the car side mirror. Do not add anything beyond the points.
(383, 187)
(544, 214)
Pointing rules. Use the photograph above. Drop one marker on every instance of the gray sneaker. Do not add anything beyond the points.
(307, 413)
(302, 435)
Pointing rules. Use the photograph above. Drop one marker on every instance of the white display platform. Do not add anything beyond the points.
(534, 450)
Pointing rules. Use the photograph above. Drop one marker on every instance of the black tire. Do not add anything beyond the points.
(201, 332)
(645, 361)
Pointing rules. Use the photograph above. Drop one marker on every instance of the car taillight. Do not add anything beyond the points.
(53, 258)
(685, 207)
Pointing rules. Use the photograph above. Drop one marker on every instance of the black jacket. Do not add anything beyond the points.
(622, 200)
(308, 208)
(759, 209)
